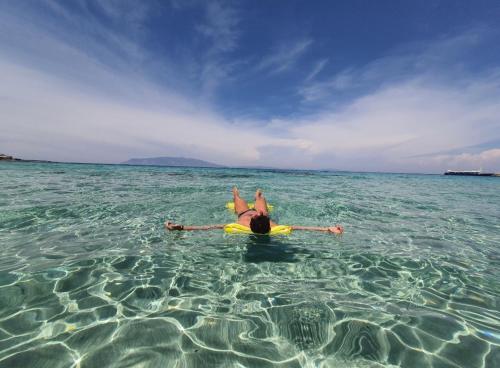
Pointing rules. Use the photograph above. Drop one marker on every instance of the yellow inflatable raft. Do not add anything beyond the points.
(235, 228)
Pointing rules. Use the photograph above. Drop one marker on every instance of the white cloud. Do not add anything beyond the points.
(387, 129)
(489, 159)
(44, 117)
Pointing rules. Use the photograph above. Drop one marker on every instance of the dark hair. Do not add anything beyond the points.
(260, 224)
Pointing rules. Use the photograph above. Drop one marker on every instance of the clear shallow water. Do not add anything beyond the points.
(89, 277)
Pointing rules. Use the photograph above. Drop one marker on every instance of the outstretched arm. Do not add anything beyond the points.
(337, 229)
(171, 226)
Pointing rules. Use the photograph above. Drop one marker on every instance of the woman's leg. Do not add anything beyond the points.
(240, 205)
(260, 202)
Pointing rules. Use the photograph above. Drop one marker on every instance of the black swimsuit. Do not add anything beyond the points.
(242, 213)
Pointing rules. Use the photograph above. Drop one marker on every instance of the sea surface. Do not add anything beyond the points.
(90, 278)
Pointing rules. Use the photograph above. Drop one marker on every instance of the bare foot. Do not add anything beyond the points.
(236, 192)
(258, 193)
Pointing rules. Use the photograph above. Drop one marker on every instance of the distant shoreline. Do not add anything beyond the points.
(220, 167)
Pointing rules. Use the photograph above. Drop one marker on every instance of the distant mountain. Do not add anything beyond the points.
(258, 167)
(170, 161)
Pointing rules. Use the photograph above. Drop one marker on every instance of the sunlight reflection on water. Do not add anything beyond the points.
(89, 277)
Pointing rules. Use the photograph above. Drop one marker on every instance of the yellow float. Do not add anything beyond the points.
(235, 228)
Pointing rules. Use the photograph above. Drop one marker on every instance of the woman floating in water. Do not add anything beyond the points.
(254, 220)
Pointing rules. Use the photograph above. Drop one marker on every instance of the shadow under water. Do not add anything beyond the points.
(264, 248)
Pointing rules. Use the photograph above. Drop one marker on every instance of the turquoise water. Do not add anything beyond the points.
(89, 277)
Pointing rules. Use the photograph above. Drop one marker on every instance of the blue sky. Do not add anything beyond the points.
(352, 85)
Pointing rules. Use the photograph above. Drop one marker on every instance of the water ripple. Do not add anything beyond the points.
(89, 277)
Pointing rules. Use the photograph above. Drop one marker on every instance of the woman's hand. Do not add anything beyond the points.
(337, 229)
(171, 226)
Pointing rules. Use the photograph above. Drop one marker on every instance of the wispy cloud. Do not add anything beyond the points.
(220, 29)
(439, 58)
(284, 57)
(220, 26)
(318, 67)
(85, 29)
(321, 90)
(131, 12)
